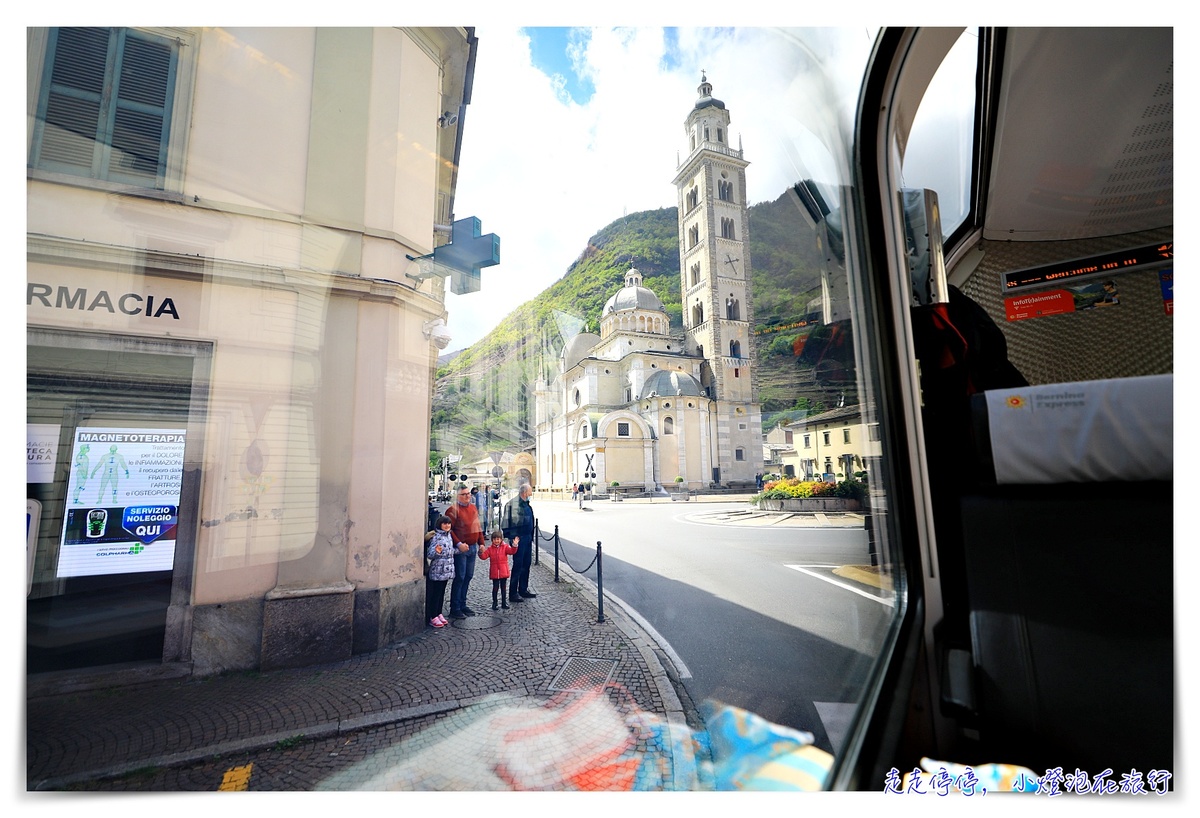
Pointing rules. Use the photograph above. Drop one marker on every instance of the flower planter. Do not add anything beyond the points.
(811, 504)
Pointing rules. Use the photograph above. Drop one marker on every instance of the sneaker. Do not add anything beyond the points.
(528, 594)
(442, 619)
(468, 611)
(457, 615)
(435, 623)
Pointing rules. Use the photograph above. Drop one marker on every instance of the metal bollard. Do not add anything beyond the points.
(599, 581)
(537, 544)
(556, 553)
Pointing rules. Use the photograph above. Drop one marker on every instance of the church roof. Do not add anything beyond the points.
(633, 296)
(707, 100)
(578, 348)
(668, 382)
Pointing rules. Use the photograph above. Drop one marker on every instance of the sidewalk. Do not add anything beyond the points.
(534, 657)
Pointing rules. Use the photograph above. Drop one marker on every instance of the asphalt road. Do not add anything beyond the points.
(754, 616)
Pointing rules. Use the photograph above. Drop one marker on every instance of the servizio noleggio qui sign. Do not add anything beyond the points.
(122, 505)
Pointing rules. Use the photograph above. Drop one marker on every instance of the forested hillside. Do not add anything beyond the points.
(483, 399)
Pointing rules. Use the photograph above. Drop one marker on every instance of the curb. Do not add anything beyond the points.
(679, 708)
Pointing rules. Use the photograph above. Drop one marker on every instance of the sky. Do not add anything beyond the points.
(568, 129)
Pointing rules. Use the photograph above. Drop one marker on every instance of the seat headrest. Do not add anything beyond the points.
(1083, 432)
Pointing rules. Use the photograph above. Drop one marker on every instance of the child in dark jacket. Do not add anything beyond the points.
(498, 552)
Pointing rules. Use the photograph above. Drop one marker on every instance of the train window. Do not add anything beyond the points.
(939, 153)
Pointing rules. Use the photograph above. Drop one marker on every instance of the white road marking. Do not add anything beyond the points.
(882, 600)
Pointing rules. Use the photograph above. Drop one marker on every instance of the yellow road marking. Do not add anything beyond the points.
(236, 779)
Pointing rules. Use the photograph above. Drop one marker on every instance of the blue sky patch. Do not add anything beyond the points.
(550, 51)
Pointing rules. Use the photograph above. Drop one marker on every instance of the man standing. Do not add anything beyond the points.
(517, 521)
(467, 534)
(480, 499)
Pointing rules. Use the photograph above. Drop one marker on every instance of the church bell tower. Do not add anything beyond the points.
(714, 266)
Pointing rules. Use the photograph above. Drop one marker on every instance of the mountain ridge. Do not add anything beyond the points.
(483, 397)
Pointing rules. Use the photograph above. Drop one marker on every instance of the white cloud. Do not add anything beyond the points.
(545, 173)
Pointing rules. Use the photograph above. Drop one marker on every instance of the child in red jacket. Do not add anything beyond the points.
(499, 571)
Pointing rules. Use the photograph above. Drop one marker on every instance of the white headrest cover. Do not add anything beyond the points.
(1090, 431)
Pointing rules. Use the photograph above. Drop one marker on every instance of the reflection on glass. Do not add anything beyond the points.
(224, 225)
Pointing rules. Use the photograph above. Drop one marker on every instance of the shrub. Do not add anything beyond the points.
(791, 488)
(678, 478)
(614, 483)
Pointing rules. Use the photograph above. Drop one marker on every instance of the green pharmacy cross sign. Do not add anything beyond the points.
(462, 259)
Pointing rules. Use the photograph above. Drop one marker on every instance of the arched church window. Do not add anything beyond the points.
(695, 274)
(733, 308)
(735, 349)
(668, 426)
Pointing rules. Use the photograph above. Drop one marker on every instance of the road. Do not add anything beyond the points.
(753, 615)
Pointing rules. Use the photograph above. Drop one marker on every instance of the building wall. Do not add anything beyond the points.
(311, 169)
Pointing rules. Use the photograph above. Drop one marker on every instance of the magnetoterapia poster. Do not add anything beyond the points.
(122, 508)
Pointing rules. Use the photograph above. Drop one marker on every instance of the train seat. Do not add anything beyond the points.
(1068, 547)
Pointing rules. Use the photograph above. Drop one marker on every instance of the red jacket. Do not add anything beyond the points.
(464, 524)
(498, 554)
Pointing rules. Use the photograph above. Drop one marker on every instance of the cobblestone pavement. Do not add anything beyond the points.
(358, 724)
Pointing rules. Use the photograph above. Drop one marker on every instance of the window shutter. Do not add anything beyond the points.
(106, 110)
(72, 118)
(142, 111)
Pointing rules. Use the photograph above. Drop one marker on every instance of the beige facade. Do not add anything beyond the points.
(830, 443)
(253, 294)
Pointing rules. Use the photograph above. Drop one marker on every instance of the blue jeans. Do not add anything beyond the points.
(464, 570)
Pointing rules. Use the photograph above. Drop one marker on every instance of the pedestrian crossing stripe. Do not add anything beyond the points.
(236, 779)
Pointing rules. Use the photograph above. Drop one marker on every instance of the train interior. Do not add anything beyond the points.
(1044, 374)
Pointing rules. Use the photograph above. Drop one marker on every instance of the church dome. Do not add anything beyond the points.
(706, 99)
(633, 296)
(578, 348)
(664, 383)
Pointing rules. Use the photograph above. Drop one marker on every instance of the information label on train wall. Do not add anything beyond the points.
(122, 508)
(1092, 296)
